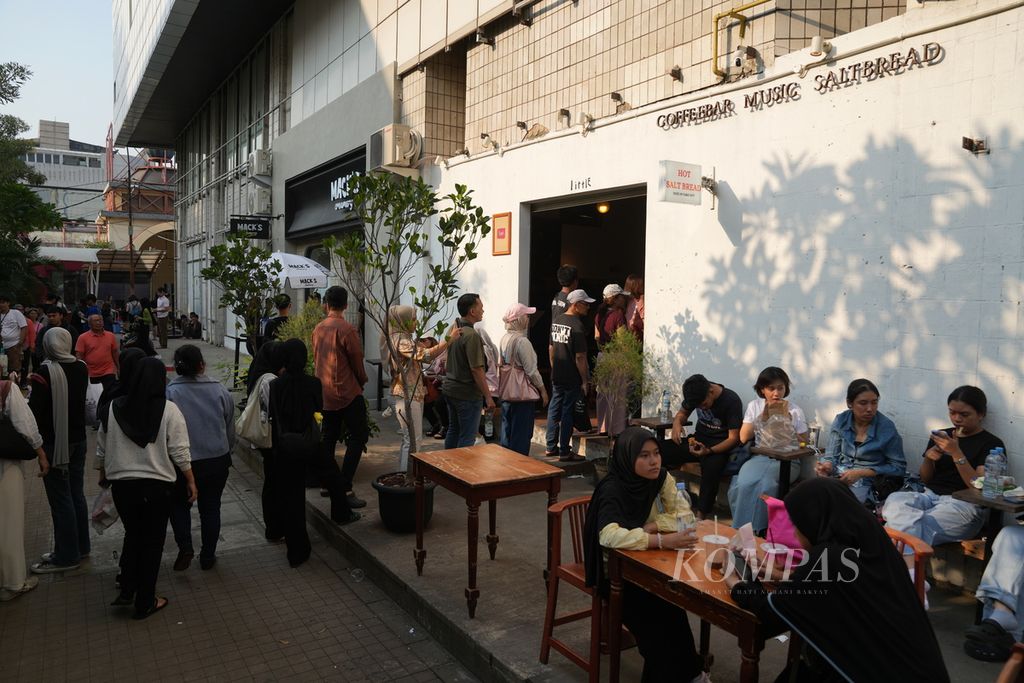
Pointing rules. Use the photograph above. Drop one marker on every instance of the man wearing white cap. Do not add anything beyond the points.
(570, 373)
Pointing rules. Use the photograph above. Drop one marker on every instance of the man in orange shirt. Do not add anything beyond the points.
(338, 355)
(98, 348)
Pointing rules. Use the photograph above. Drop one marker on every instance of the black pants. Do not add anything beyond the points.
(663, 636)
(711, 466)
(357, 433)
(144, 506)
(437, 412)
(273, 513)
(290, 504)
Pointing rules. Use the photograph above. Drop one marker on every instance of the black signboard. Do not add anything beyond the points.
(316, 202)
(253, 227)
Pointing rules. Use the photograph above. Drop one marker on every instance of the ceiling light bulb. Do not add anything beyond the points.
(603, 207)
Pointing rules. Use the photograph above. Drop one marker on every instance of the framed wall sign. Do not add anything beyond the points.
(501, 229)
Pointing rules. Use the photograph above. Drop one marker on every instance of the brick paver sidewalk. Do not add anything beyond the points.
(250, 618)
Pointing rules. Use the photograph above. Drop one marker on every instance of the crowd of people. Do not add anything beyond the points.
(162, 447)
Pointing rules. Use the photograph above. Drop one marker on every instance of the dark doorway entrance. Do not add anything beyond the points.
(604, 238)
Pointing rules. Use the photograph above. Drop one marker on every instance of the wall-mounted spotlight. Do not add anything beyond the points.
(564, 115)
(676, 72)
(975, 146)
(820, 47)
(521, 125)
(483, 39)
(488, 141)
(616, 97)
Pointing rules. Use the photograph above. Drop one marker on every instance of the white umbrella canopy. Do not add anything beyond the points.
(300, 272)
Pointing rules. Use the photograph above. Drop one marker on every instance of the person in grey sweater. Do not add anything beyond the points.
(210, 416)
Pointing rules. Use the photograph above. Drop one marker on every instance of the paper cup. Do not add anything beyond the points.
(716, 547)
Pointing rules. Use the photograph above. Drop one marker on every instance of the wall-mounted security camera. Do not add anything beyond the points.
(482, 38)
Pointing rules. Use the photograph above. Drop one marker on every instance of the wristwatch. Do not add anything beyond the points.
(961, 461)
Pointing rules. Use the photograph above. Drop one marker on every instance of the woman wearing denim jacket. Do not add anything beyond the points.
(863, 443)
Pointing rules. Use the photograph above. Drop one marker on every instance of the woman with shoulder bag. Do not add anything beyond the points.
(265, 368)
(210, 415)
(295, 398)
(518, 358)
(20, 440)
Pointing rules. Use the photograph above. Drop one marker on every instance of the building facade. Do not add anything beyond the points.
(833, 187)
(76, 172)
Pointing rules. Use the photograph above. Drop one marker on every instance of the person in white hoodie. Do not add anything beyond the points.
(210, 415)
(141, 445)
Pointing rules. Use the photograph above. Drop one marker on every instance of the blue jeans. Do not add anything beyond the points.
(65, 491)
(563, 399)
(211, 476)
(933, 518)
(463, 421)
(1004, 577)
(517, 425)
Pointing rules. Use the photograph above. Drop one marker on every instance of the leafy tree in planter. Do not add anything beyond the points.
(412, 249)
(248, 279)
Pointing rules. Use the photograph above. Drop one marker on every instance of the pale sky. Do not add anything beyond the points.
(67, 45)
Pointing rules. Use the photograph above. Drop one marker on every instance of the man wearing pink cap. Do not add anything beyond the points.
(516, 350)
(570, 373)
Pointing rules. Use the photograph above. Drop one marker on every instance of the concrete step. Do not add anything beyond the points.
(591, 445)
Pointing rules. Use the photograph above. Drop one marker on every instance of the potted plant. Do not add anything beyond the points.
(413, 246)
(626, 375)
(248, 279)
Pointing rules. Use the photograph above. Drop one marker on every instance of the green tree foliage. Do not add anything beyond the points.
(413, 246)
(21, 210)
(625, 372)
(301, 326)
(248, 279)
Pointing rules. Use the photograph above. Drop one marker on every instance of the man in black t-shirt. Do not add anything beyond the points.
(718, 414)
(283, 304)
(570, 373)
(568, 278)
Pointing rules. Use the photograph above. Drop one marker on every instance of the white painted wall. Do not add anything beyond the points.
(852, 234)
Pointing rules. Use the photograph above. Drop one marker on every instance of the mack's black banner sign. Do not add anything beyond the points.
(253, 227)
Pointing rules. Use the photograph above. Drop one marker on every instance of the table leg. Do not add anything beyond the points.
(473, 533)
(553, 488)
(419, 553)
(993, 526)
(614, 616)
(492, 537)
(705, 645)
(749, 664)
(784, 474)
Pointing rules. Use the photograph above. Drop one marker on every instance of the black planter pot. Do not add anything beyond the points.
(397, 504)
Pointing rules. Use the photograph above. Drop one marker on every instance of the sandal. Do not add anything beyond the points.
(988, 642)
(156, 607)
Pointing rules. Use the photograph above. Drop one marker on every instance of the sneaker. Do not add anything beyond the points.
(48, 557)
(47, 567)
(206, 563)
(354, 501)
(570, 457)
(30, 583)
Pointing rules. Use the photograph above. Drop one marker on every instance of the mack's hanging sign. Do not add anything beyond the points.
(680, 183)
(893, 64)
(253, 227)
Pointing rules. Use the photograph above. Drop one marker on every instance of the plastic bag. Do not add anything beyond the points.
(92, 400)
(104, 513)
(777, 433)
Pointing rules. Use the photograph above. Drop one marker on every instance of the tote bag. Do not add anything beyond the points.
(250, 425)
(513, 384)
(13, 445)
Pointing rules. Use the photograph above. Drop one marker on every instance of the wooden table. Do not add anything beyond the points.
(993, 525)
(477, 474)
(784, 458)
(686, 581)
(655, 423)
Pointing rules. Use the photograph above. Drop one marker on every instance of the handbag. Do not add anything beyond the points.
(93, 392)
(15, 446)
(513, 384)
(250, 424)
(304, 445)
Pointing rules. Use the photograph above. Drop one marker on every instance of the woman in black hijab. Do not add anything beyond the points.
(852, 600)
(622, 514)
(265, 368)
(294, 398)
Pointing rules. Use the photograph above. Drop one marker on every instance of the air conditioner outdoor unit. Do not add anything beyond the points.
(259, 200)
(259, 163)
(394, 145)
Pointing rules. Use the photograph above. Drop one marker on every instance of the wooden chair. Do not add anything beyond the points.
(922, 553)
(1013, 670)
(573, 573)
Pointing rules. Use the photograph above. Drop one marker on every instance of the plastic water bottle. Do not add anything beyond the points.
(684, 516)
(666, 406)
(995, 468)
